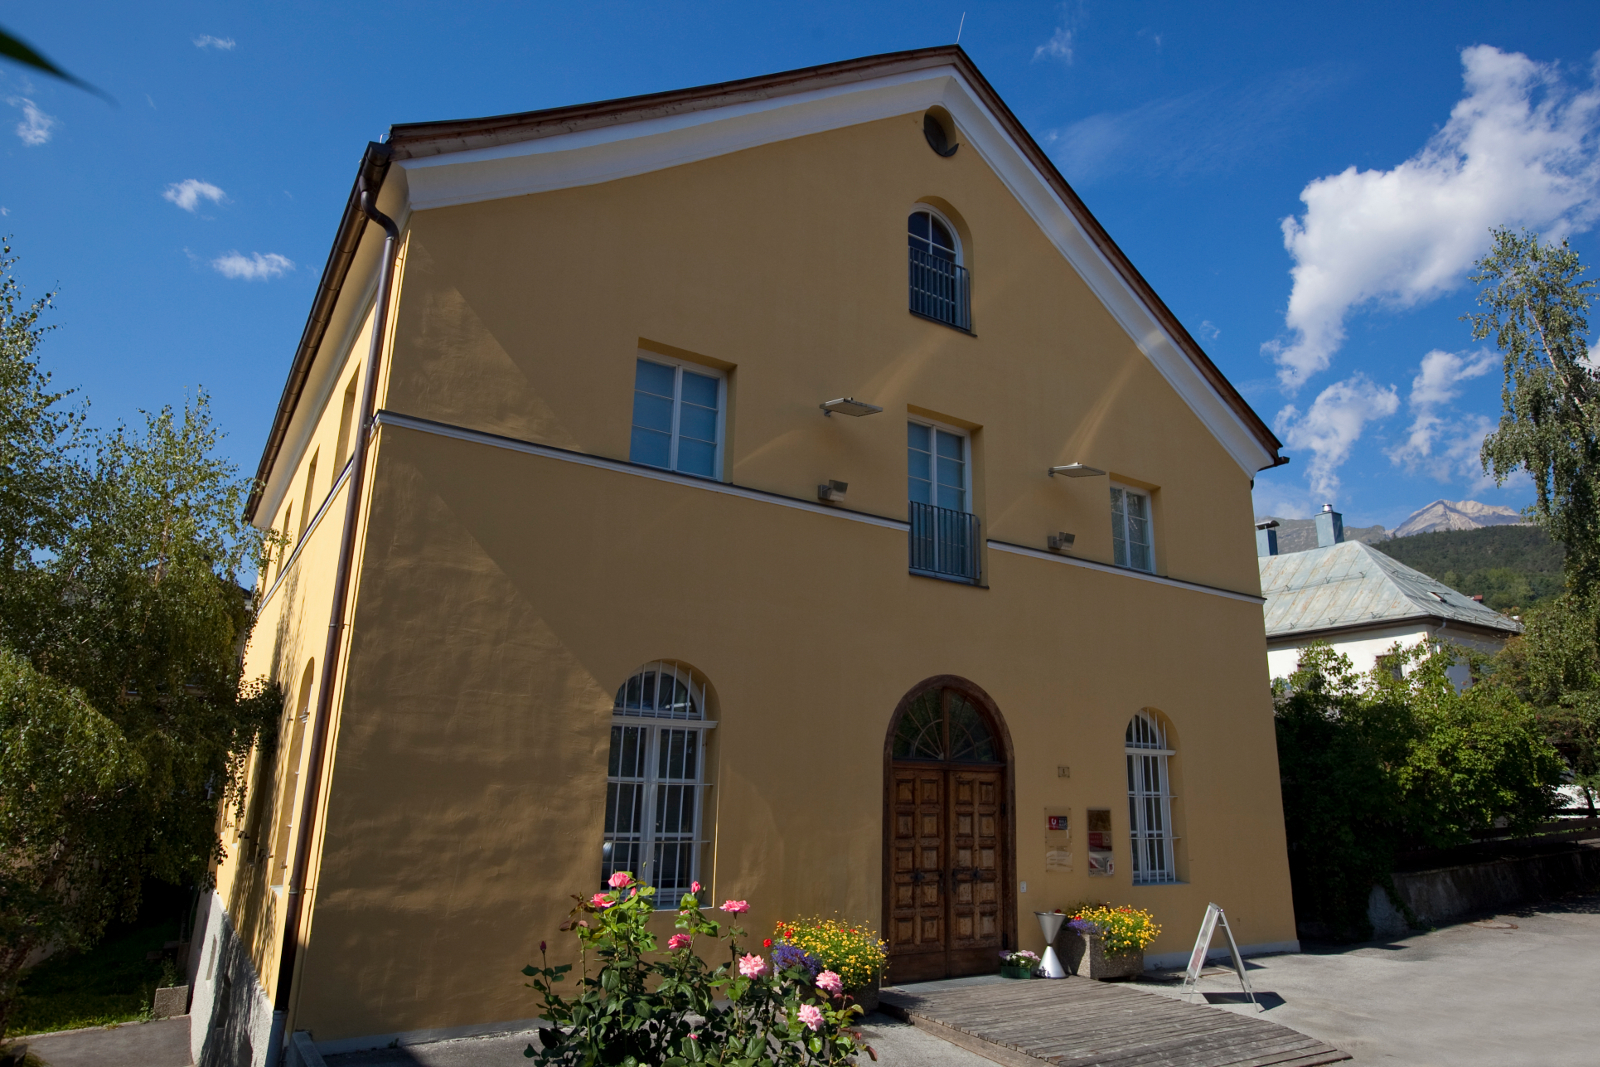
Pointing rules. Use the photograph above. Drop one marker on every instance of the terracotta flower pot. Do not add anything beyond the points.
(1086, 956)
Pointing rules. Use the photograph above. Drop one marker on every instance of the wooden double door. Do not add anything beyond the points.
(948, 892)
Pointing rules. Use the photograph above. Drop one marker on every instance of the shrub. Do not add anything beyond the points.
(1120, 929)
(853, 951)
(1373, 765)
(637, 1011)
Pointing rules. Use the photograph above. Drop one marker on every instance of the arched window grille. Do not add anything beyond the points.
(656, 780)
(1150, 800)
(939, 284)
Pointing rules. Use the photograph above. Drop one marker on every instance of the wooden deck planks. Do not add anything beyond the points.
(1076, 1022)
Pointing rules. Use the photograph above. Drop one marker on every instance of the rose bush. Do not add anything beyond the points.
(640, 1008)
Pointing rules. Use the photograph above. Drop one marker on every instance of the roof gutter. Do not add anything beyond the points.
(375, 163)
(367, 197)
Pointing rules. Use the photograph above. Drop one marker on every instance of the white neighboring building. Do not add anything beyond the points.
(1362, 602)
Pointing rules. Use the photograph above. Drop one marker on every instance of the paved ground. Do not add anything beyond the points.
(1516, 990)
(163, 1043)
(897, 1045)
(1473, 995)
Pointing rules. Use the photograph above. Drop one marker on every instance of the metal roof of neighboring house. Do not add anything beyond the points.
(1353, 584)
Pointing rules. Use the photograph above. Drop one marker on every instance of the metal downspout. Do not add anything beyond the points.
(341, 590)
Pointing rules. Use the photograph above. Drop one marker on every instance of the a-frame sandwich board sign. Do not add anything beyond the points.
(1202, 945)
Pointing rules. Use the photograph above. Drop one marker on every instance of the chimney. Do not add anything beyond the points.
(1330, 527)
(1267, 538)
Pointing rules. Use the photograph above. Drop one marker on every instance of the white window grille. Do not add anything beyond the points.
(656, 780)
(1131, 543)
(1150, 801)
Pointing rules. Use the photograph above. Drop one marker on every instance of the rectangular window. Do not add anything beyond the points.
(1150, 803)
(311, 496)
(1130, 529)
(944, 532)
(654, 788)
(677, 418)
(347, 416)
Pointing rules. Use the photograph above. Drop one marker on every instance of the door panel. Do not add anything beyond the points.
(917, 851)
(977, 919)
(947, 891)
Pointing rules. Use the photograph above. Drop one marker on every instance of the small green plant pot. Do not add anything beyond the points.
(1008, 970)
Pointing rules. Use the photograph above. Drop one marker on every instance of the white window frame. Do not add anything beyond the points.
(655, 723)
(1150, 524)
(955, 234)
(1150, 809)
(966, 459)
(679, 366)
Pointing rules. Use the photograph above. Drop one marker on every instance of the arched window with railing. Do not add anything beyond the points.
(1150, 800)
(940, 289)
(656, 779)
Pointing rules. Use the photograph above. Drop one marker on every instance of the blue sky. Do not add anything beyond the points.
(186, 227)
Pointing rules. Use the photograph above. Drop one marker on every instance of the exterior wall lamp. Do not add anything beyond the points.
(832, 492)
(1076, 470)
(1060, 542)
(849, 405)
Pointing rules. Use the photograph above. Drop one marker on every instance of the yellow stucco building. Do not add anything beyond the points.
(785, 485)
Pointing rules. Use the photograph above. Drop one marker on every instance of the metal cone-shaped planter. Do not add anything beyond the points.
(1050, 925)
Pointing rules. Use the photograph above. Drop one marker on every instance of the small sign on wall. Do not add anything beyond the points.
(1057, 839)
(1101, 861)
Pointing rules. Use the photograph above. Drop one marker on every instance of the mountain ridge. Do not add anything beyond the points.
(1456, 515)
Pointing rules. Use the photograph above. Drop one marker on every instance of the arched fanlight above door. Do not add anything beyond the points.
(942, 725)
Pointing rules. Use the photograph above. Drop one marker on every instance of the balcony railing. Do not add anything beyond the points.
(939, 290)
(944, 543)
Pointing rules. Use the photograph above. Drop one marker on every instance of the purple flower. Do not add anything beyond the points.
(786, 956)
(1084, 926)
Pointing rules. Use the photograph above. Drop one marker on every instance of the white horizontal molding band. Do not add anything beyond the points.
(461, 433)
(1125, 572)
(592, 156)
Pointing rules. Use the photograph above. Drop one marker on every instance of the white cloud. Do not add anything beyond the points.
(1520, 149)
(1059, 46)
(188, 193)
(1209, 331)
(252, 268)
(221, 44)
(35, 127)
(1440, 442)
(1333, 425)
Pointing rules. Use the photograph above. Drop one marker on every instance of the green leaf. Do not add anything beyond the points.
(19, 50)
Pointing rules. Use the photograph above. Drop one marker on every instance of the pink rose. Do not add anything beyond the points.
(620, 879)
(811, 1015)
(752, 966)
(677, 941)
(830, 981)
(735, 907)
(694, 887)
(599, 901)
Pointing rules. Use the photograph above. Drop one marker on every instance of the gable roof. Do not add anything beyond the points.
(1352, 585)
(466, 160)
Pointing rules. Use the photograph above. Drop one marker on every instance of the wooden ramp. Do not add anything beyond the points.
(1076, 1022)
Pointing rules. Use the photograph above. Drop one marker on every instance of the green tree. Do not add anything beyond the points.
(121, 624)
(1373, 765)
(1555, 667)
(1537, 303)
